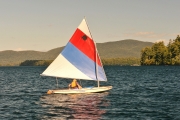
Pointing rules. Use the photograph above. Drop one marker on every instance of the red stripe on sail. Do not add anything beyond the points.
(84, 44)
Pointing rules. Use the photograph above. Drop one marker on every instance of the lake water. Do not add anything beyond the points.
(139, 93)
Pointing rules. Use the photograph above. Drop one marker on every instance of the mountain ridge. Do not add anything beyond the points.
(112, 49)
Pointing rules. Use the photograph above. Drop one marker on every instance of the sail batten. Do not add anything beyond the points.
(79, 59)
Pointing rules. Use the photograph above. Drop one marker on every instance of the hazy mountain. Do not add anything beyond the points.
(123, 48)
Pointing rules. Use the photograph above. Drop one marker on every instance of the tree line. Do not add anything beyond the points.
(36, 63)
(127, 61)
(131, 61)
(159, 54)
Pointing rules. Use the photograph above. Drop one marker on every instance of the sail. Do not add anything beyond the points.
(79, 59)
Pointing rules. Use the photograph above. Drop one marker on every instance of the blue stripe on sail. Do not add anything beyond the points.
(101, 74)
(82, 62)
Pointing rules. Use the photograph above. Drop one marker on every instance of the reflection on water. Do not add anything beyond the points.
(74, 106)
(139, 93)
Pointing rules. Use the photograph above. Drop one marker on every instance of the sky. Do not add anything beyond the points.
(42, 25)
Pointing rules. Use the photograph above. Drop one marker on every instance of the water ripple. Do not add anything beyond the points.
(143, 93)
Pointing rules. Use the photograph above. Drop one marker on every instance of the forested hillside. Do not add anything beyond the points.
(116, 49)
(122, 49)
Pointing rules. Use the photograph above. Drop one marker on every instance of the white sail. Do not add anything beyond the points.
(79, 58)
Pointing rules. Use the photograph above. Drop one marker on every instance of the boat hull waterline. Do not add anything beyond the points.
(83, 90)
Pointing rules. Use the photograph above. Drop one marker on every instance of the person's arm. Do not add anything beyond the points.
(79, 87)
(69, 86)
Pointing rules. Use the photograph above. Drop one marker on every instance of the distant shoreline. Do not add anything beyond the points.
(129, 61)
(115, 49)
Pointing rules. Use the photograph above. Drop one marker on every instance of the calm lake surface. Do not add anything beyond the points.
(139, 93)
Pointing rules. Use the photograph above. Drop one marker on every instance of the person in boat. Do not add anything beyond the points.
(74, 85)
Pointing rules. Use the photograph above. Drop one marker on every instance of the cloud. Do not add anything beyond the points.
(175, 34)
(148, 36)
(19, 49)
(152, 36)
(144, 35)
(113, 36)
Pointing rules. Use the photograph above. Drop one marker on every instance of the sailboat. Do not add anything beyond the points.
(78, 60)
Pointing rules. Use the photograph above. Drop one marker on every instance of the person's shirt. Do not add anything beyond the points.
(74, 84)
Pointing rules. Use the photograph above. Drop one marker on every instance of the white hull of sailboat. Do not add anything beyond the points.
(79, 91)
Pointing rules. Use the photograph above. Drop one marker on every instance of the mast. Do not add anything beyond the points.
(96, 66)
(57, 82)
(96, 55)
